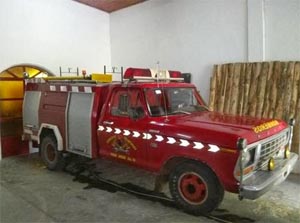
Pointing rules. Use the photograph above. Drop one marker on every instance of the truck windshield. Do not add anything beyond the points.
(172, 101)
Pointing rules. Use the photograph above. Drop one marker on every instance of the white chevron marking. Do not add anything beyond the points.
(126, 132)
(136, 134)
(108, 129)
(117, 131)
(159, 138)
(198, 145)
(213, 148)
(147, 136)
(100, 128)
(184, 143)
(171, 140)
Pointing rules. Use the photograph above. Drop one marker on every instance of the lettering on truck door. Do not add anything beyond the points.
(122, 133)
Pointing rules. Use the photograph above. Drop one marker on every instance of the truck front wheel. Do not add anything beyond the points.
(195, 188)
(53, 158)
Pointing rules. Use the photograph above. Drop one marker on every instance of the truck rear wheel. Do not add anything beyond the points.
(195, 188)
(53, 158)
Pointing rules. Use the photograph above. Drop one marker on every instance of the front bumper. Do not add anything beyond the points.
(262, 181)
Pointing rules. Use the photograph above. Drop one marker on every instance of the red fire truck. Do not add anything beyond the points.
(154, 121)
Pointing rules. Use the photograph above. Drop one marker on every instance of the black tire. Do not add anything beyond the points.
(195, 188)
(52, 158)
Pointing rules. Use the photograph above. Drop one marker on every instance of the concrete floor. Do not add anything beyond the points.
(31, 193)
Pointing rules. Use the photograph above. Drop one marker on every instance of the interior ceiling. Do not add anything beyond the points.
(110, 5)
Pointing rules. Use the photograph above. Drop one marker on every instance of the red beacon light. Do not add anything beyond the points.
(152, 74)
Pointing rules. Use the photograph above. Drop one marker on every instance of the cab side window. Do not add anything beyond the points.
(127, 102)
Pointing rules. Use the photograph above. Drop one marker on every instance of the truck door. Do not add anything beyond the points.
(122, 130)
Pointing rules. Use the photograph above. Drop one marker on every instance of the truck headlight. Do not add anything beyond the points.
(248, 157)
(246, 162)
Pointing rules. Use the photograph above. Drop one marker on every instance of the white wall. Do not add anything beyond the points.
(282, 19)
(256, 30)
(192, 35)
(53, 33)
(189, 36)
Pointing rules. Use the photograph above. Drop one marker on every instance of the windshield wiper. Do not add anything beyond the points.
(181, 111)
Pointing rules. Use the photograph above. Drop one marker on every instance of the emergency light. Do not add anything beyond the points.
(152, 74)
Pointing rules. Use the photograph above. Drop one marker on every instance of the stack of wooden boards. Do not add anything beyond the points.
(261, 89)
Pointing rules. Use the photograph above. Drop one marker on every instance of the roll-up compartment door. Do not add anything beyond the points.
(79, 123)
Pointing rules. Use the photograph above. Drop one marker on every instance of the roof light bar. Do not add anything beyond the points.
(152, 74)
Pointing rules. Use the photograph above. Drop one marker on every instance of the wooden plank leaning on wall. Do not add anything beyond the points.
(261, 89)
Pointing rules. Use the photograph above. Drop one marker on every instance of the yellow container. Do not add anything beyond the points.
(103, 78)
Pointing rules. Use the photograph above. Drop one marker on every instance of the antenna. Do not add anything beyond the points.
(157, 74)
(163, 92)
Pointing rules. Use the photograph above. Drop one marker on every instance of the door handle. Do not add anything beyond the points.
(108, 123)
(154, 131)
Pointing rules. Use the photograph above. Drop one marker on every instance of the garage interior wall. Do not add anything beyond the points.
(189, 35)
(53, 33)
(282, 29)
(192, 35)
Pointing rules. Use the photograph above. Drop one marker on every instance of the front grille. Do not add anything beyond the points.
(270, 148)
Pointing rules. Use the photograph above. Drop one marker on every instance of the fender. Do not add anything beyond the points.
(56, 132)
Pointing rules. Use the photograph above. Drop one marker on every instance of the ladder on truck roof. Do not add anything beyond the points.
(94, 78)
